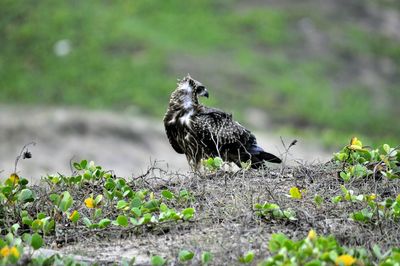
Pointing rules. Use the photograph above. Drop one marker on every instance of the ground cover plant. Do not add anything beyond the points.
(302, 215)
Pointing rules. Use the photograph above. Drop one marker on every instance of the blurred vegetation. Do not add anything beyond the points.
(330, 68)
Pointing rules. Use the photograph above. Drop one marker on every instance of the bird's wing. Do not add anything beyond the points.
(172, 133)
(217, 128)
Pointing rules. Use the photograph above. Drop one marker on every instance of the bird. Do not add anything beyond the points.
(200, 132)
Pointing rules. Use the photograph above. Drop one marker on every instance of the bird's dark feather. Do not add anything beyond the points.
(200, 132)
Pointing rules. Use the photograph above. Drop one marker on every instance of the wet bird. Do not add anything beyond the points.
(201, 132)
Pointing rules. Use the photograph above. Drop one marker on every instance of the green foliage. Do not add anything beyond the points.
(247, 258)
(185, 255)
(206, 258)
(318, 200)
(360, 162)
(118, 205)
(213, 164)
(273, 211)
(109, 201)
(319, 250)
(157, 261)
(376, 211)
(132, 64)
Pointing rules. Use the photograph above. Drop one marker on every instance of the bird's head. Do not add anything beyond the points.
(192, 88)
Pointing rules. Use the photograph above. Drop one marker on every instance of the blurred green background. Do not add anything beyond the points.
(323, 69)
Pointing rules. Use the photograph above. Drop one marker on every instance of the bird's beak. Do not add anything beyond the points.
(205, 93)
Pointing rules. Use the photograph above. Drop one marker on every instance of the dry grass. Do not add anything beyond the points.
(225, 223)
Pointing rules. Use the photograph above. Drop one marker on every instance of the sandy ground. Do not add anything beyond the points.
(124, 143)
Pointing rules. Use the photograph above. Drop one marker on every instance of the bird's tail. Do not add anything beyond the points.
(259, 156)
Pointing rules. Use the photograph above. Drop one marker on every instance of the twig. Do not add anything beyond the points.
(286, 153)
(22, 153)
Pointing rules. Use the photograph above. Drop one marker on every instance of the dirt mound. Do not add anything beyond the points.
(124, 142)
(226, 222)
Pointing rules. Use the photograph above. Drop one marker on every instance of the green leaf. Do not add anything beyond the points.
(277, 242)
(55, 198)
(122, 204)
(37, 225)
(122, 220)
(318, 200)
(97, 213)
(206, 258)
(157, 261)
(66, 201)
(183, 193)
(26, 195)
(27, 220)
(104, 223)
(218, 162)
(188, 213)
(36, 241)
(377, 252)
(167, 194)
(83, 164)
(386, 148)
(87, 175)
(359, 216)
(77, 166)
(87, 222)
(209, 162)
(152, 205)
(14, 228)
(315, 262)
(345, 176)
(336, 199)
(41, 215)
(98, 199)
(74, 216)
(136, 202)
(136, 211)
(163, 207)
(128, 192)
(185, 255)
(247, 258)
(23, 181)
(49, 226)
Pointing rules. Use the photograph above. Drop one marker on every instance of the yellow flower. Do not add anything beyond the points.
(355, 144)
(345, 260)
(14, 251)
(14, 178)
(5, 252)
(372, 196)
(295, 193)
(312, 235)
(89, 203)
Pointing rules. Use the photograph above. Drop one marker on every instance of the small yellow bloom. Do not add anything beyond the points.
(5, 252)
(14, 251)
(295, 193)
(372, 196)
(355, 144)
(14, 178)
(345, 260)
(89, 202)
(312, 235)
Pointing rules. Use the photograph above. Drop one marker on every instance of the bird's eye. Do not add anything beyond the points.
(200, 88)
